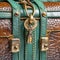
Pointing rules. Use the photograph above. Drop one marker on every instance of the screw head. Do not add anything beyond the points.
(16, 14)
(44, 14)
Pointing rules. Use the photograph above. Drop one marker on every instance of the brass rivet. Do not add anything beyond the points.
(44, 14)
(16, 14)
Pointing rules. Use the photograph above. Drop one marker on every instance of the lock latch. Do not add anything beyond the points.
(44, 43)
(15, 45)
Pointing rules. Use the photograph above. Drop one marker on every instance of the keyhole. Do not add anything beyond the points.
(15, 47)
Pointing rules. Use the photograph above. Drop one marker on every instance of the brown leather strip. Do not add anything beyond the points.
(48, 4)
(52, 6)
(4, 4)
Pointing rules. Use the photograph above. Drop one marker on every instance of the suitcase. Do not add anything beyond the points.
(21, 41)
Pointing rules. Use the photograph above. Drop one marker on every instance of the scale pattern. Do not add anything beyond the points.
(54, 37)
(53, 23)
(54, 46)
(5, 30)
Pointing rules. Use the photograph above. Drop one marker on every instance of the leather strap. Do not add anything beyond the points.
(16, 22)
(43, 25)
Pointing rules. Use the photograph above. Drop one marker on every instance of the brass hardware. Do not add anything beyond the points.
(15, 45)
(30, 4)
(31, 21)
(29, 39)
(44, 43)
(30, 24)
(49, 31)
(16, 14)
(44, 14)
(9, 37)
(52, 30)
(27, 3)
(24, 18)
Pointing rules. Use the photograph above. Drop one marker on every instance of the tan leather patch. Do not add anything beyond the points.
(48, 4)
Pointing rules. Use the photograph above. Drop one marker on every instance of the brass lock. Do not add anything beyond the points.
(15, 45)
(30, 23)
(44, 43)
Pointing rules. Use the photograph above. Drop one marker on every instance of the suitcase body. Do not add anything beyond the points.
(14, 36)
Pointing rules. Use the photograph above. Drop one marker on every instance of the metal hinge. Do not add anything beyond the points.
(44, 43)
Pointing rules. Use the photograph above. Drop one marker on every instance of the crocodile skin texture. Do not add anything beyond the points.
(53, 24)
(5, 30)
(54, 37)
(54, 46)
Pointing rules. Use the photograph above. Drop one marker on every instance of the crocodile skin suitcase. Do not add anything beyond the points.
(53, 25)
(29, 30)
